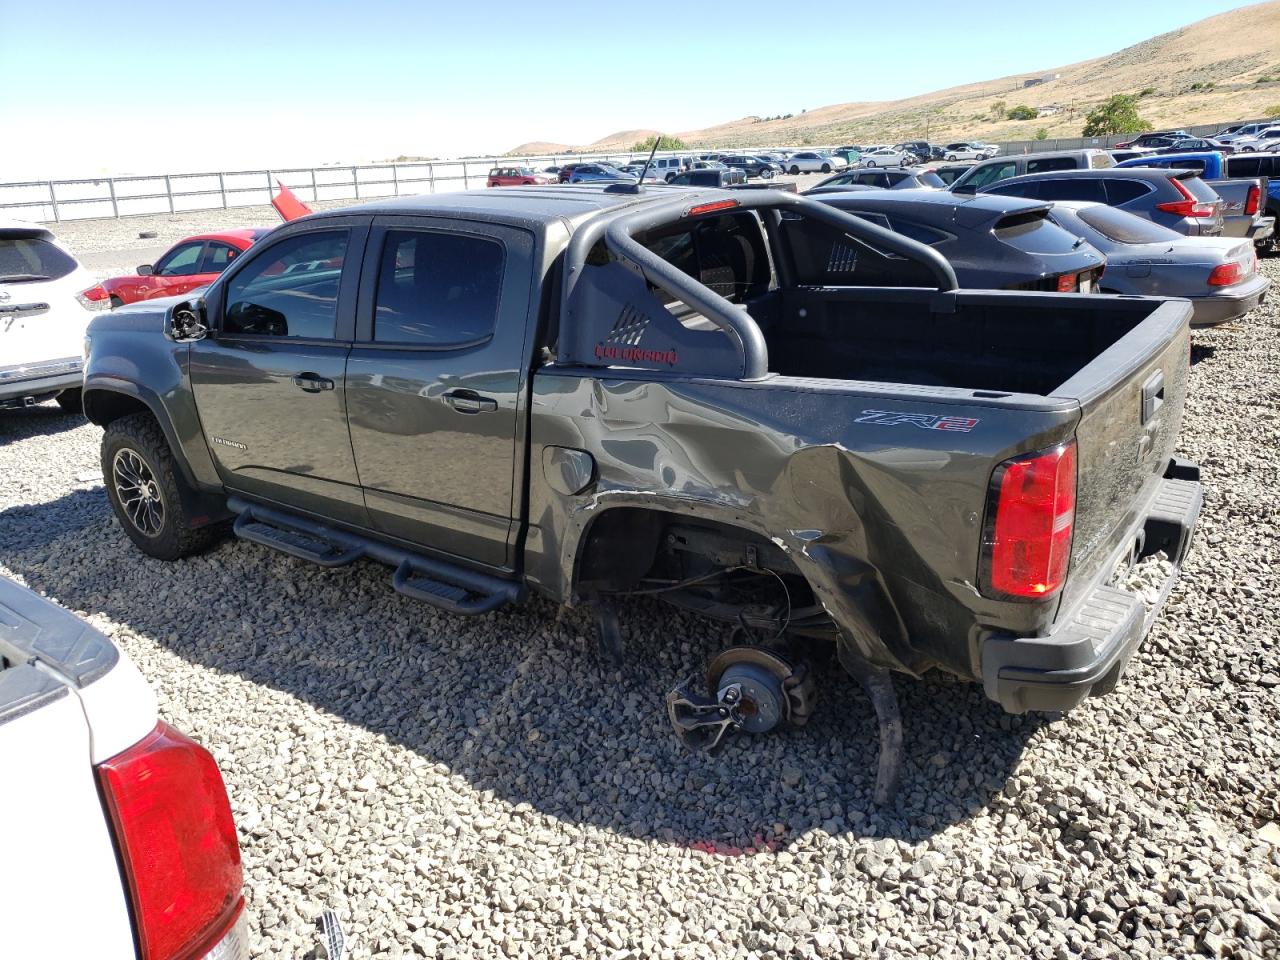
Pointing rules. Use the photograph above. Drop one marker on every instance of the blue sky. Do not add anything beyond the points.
(148, 87)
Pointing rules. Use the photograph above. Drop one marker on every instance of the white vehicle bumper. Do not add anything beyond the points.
(24, 383)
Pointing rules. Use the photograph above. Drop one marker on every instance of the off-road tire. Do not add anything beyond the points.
(71, 401)
(176, 537)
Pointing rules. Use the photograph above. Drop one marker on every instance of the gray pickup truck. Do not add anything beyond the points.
(610, 391)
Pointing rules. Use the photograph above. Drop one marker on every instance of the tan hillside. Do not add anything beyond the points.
(1224, 57)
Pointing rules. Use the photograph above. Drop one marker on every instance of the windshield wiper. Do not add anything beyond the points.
(22, 277)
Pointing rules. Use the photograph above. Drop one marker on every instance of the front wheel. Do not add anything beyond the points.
(795, 171)
(951, 157)
(826, 168)
(144, 487)
(766, 174)
(871, 163)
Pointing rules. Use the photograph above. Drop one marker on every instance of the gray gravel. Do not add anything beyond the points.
(483, 788)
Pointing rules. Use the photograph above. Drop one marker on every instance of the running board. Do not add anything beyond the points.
(450, 587)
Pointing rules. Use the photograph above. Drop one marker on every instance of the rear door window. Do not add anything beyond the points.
(1120, 192)
(1073, 188)
(218, 256)
(1244, 167)
(1051, 163)
(991, 173)
(437, 289)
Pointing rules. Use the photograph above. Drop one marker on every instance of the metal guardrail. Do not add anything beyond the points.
(115, 197)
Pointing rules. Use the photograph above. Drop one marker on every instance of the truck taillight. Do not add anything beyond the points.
(177, 844)
(1030, 517)
(1067, 283)
(1253, 201)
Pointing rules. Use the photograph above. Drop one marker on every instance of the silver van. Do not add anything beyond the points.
(987, 172)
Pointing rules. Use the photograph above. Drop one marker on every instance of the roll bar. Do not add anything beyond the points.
(619, 236)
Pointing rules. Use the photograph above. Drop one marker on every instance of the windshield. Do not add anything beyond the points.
(27, 259)
(1123, 227)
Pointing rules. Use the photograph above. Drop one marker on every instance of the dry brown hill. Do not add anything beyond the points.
(1217, 69)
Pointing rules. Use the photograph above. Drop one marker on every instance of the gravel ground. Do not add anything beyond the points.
(485, 788)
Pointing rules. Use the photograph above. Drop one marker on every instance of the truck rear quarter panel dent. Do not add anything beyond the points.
(898, 503)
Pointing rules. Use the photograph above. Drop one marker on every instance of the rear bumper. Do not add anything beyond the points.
(23, 384)
(1088, 648)
(1263, 228)
(1221, 307)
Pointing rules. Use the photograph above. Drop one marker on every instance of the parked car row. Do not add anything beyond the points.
(1133, 229)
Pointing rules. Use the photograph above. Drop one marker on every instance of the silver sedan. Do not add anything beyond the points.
(1219, 275)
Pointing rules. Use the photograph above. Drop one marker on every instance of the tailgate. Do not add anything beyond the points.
(1235, 195)
(1131, 398)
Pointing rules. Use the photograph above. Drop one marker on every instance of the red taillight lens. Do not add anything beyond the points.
(177, 843)
(1188, 206)
(95, 298)
(1253, 202)
(1030, 519)
(710, 207)
(1226, 274)
(1067, 283)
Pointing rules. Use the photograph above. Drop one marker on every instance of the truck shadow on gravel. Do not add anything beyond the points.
(45, 420)
(519, 702)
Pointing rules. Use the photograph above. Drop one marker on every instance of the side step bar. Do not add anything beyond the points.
(450, 587)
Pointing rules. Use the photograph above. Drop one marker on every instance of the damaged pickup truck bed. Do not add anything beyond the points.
(610, 391)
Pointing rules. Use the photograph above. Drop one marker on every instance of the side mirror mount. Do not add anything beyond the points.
(146, 270)
(187, 321)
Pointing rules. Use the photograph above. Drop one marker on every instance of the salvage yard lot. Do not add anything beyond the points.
(489, 788)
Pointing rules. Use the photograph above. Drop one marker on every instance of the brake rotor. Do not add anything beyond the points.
(774, 689)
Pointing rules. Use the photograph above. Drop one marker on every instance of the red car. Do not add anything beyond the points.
(516, 177)
(190, 263)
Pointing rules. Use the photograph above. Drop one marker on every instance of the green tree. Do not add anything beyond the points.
(668, 143)
(998, 109)
(1023, 112)
(1042, 133)
(1118, 115)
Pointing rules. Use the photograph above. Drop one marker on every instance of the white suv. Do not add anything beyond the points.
(811, 161)
(668, 168)
(46, 301)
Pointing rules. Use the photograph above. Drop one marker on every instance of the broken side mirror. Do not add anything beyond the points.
(187, 321)
(145, 270)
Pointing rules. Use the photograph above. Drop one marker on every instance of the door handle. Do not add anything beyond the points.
(312, 382)
(468, 401)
